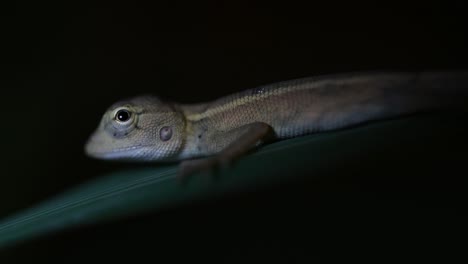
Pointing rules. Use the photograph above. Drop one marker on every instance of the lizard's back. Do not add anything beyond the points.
(308, 105)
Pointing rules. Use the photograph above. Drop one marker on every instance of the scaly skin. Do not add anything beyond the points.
(166, 131)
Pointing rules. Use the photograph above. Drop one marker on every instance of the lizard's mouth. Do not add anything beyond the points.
(114, 153)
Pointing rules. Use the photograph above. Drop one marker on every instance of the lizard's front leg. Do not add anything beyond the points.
(247, 137)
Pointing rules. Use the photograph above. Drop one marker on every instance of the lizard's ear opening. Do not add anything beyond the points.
(165, 133)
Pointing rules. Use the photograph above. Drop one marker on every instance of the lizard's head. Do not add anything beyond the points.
(142, 128)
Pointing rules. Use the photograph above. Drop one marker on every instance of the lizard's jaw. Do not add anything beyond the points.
(105, 148)
(123, 153)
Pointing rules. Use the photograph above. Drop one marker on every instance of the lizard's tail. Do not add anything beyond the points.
(388, 95)
(427, 91)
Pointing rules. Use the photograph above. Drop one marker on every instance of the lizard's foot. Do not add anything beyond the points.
(205, 165)
(250, 135)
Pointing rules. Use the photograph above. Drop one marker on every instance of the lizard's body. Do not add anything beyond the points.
(282, 110)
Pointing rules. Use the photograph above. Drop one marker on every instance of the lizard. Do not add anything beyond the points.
(203, 136)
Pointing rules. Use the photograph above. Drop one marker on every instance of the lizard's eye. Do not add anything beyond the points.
(123, 116)
(122, 121)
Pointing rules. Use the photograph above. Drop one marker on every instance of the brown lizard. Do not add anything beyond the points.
(204, 135)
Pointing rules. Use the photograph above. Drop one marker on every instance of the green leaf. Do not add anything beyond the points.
(153, 188)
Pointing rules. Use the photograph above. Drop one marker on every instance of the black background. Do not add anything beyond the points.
(65, 63)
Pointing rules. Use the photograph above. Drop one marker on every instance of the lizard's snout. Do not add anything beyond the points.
(94, 146)
(89, 147)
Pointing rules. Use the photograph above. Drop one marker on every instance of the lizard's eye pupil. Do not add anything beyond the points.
(123, 115)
